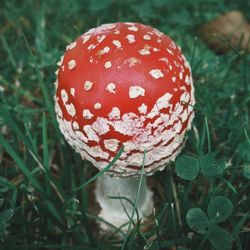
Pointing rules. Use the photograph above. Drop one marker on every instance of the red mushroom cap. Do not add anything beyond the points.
(125, 84)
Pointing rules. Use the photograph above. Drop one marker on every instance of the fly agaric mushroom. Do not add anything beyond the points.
(124, 84)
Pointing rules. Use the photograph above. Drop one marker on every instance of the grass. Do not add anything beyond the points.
(44, 191)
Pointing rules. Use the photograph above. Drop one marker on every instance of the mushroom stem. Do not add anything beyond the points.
(118, 211)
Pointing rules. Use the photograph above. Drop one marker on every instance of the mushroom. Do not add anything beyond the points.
(124, 85)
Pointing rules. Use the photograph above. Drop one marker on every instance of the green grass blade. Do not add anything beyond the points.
(102, 171)
(136, 200)
(4, 113)
(20, 163)
(208, 135)
(45, 143)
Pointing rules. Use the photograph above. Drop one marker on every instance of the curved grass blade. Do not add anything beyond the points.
(102, 171)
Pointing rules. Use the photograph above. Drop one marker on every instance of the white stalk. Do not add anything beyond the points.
(118, 211)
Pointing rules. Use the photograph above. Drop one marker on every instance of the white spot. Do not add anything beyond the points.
(91, 46)
(135, 91)
(184, 116)
(97, 105)
(85, 38)
(61, 61)
(87, 114)
(70, 109)
(107, 26)
(115, 113)
(143, 108)
(172, 45)
(71, 46)
(116, 32)
(187, 80)
(170, 51)
(72, 91)
(155, 49)
(126, 125)
(105, 50)
(75, 125)
(91, 134)
(133, 28)
(180, 75)
(158, 40)
(132, 61)
(144, 51)
(131, 38)
(173, 78)
(111, 88)
(88, 85)
(117, 43)
(55, 84)
(147, 37)
(185, 97)
(71, 64)
(64, 96)
(111, 144)
(101, 126)
(156, 73)
(107, 64)
(163, 102)
(100, 38)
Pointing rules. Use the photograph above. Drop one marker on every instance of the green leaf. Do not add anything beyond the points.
(98, 5)
(219, 238)
(246, 170)
(211, 166)
(219, 209)
(197, 220)
(243, 150)
(187, 167)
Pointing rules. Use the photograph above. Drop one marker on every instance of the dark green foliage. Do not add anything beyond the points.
(45, 187)
(187, 167)
(197, 220)
(219, 209)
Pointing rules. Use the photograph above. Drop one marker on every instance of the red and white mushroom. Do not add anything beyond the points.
(125, 84)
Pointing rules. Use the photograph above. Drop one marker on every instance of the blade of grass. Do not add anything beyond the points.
(208, 135)
(20, 164)
(45, 143)
(4, 113)
(247, 137)
(136, 200)
(102, 171)
(130, 202)
(9, 52)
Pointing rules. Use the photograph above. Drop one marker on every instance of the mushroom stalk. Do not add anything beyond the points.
(118, 211)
